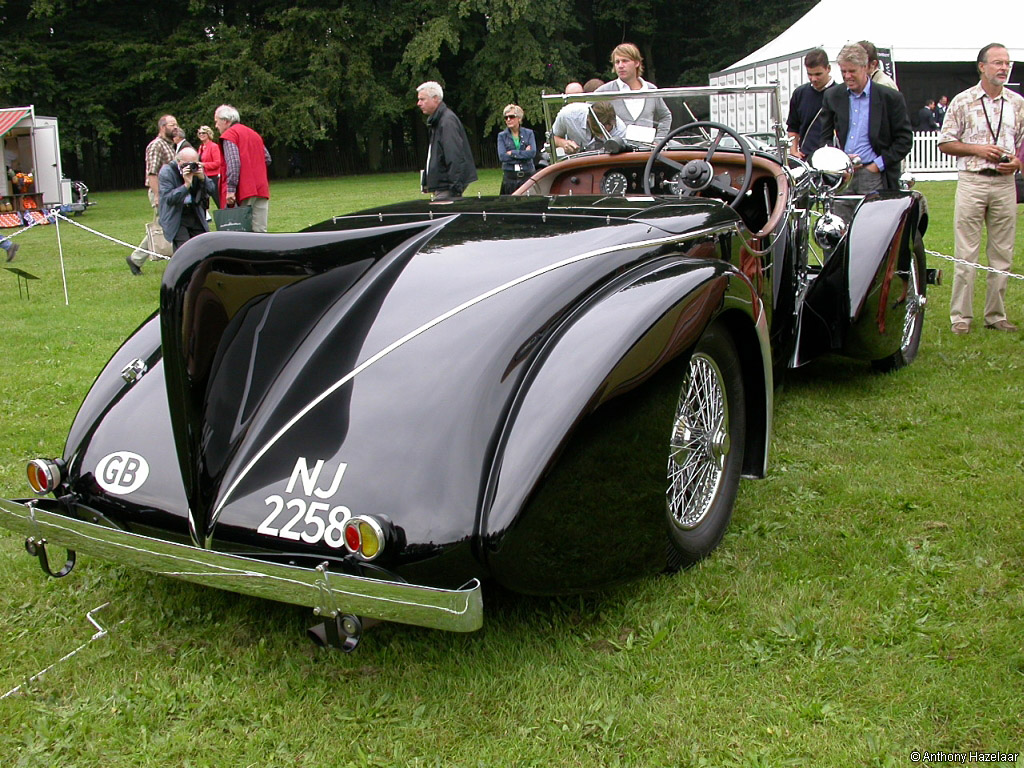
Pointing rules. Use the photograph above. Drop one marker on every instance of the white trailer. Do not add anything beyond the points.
(31, 145)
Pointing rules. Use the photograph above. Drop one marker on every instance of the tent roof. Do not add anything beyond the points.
(10, 116)
(915, 30)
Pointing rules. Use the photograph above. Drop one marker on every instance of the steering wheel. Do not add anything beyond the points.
(698, 175)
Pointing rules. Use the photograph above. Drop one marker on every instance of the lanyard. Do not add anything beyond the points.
(999, 127)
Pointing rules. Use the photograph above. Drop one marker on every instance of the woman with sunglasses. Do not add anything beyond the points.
(516, 150)
(209, 155)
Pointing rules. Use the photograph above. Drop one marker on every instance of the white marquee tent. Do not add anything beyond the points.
(932, 46)
(915, 30)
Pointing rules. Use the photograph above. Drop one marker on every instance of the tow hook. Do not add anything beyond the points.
(343, 632)
(37, 548)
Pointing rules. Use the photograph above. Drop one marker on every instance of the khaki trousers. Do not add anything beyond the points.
(139, 257)
(989, 201)
(260, 212)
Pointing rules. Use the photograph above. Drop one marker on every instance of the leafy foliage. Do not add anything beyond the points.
(338, 78)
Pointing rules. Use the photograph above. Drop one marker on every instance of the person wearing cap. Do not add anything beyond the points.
(517, 148)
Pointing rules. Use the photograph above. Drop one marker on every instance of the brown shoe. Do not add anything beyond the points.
(960, 328)
(1001, 325)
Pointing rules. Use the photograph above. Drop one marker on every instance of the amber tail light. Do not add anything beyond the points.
(366, 536)
(44, 475)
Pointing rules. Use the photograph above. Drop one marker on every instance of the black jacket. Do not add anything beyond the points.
(889, 131)
(450, 161)
(926, 120)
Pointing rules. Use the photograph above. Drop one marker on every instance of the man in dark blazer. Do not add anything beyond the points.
(869, 121)
(184, 197)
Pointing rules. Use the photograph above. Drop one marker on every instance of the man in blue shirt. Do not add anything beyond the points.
(869, 123)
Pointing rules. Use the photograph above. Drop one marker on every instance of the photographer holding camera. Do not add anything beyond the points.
(184, 197)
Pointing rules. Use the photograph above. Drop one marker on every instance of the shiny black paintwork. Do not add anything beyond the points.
(473, 367)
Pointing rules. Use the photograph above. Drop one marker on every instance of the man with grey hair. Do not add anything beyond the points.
(869, 122)
(244, 180)
(449, 168)
(159, 152)
(984, 130)
(184, 197)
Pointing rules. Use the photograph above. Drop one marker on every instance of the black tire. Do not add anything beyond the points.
(913, 320)
(705, 449)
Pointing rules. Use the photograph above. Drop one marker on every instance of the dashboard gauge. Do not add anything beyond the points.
(614, 183)
(673, 185)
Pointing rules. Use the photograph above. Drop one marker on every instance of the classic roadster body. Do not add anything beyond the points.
(556, 391)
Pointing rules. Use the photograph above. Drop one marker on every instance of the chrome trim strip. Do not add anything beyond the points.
(328, 593)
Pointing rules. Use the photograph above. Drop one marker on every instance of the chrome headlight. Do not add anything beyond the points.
(829, 231)
(835, 167)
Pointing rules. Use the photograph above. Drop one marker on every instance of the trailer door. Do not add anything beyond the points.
(46, 150)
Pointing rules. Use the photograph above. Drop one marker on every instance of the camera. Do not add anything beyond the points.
(191, 167)
(1004, 159)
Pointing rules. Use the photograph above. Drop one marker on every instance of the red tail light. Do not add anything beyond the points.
(44, 475)
(365, 536)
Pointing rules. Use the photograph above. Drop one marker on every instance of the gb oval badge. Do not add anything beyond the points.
(122, 472)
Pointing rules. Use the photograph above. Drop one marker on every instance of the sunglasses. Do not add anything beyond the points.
(511, 117)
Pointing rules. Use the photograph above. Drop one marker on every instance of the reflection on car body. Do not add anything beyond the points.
(555, 391)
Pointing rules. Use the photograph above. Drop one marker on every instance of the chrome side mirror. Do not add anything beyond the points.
(835, 167)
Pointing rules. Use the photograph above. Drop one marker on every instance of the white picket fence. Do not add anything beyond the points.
(927, 162)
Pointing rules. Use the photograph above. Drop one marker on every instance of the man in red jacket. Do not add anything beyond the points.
(244, 179)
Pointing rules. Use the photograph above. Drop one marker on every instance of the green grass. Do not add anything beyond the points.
(866, 601)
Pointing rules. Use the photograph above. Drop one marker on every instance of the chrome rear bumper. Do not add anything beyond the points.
(329, 594)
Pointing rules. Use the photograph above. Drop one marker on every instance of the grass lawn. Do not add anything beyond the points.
(866, 602)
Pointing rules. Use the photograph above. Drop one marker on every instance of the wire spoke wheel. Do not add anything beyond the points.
(699, 444)
(705, 449)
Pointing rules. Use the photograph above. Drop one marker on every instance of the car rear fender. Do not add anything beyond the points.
(624, 353)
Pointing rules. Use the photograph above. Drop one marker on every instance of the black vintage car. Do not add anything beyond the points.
(555, 391)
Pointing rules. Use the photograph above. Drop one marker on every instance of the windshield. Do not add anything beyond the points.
(637, 120)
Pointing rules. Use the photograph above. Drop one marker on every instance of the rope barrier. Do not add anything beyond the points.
(973, 264)
(100, 633)
(152, 254)
(26, 228)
